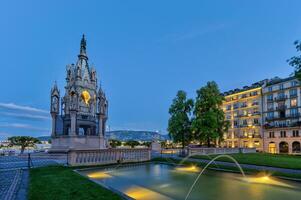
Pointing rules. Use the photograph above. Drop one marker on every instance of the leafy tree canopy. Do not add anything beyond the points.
(179, 124)
(132, 143)
(295, 61)
(23, 141)
(209, 120)
(114, 143)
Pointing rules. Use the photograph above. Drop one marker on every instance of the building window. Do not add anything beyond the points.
(270, 89)
(294, 112)
(293, 83)
(245, 122)
(244, 104)
(281, 87)
(293, 92)
(295, 133)
(271, 134)
(235, 106)
(256, 121)
(270, 97)
(235, 123)
(255, 103)
(270, 106)
(293, 102)
(228, 107)
(282, 134)
(270, 115)
(281, 95)
(254, 93)
(243, 95)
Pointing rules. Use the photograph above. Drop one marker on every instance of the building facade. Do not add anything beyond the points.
(265, 115)
(242, 108)
(79, 117)
(281, 115)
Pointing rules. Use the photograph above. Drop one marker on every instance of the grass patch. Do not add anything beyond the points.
(223, 167)
(263, 159)
(60, 183)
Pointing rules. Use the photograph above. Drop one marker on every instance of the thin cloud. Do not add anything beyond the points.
(13, 106)
(22, 126)
(26, 116)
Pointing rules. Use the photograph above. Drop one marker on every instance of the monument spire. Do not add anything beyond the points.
(83, 53)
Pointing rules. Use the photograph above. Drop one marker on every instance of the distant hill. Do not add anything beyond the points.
(44, 138)
(125, 135)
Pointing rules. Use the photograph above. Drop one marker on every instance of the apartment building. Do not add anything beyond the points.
(242, 109)
(281, 115)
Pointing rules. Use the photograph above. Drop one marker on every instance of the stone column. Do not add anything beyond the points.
(73, 123)
(53, 127)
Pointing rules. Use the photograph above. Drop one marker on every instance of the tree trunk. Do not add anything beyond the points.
(22, 149)
(208, 142)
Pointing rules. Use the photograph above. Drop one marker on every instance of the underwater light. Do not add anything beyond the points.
(188, 169)
(99, 175)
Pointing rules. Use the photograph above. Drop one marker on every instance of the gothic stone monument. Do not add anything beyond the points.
(79, 118)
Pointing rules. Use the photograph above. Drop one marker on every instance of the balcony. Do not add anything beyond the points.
(293, 115)
(293, 95)
(281, 107)
(280, 98)
(255, 103)
(244, 106)
(268, 125)
(255, 113)
(275, 118)
(269, 99)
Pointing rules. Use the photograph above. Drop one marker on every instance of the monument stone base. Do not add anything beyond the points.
(62, 144)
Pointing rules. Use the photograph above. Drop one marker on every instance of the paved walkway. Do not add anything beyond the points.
(257, 167)
(14, 175)
(9, 181)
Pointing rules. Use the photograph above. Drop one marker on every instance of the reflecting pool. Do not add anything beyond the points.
(161, 182)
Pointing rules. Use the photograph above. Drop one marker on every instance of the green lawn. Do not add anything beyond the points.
(60, 183)
(264, 159)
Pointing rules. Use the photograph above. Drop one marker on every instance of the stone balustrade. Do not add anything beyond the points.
(208, 151)
(107, 156)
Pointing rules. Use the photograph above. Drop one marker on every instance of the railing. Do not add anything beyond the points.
(208, 151)
(107, 156)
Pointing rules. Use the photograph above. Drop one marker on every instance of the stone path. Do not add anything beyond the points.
(14, 174)
(9, 181)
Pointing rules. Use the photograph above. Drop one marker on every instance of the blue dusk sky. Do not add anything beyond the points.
(144, 51)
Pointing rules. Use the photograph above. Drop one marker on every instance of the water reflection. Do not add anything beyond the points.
(159, 181)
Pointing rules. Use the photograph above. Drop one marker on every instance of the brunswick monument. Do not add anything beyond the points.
(79, 117)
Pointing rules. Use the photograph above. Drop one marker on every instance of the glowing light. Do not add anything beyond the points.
(99, 175)
(86, 96)
(266, 180)
(140, 193)
(188, 169)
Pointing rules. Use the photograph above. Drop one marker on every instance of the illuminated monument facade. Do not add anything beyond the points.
(79, 117)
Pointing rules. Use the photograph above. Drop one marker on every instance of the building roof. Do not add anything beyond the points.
(245, 88)
(277, 80)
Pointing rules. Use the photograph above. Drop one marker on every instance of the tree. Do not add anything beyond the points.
(132, 143)
(114, 143)
(295, 61)
(147, 144)
(179, 123)
(209, 120)
(23, 141)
